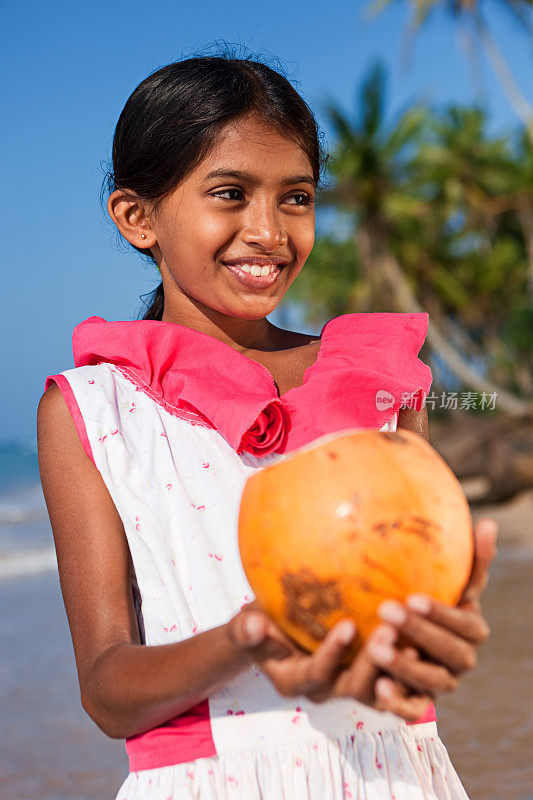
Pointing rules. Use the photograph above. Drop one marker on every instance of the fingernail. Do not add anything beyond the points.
(385, 634)
(419, 603)
(488, 524)
(253, 629)
(381, 652)
(384, 688)
(392, 612)
(345, 631)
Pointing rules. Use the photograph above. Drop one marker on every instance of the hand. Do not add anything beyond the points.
(319, 675)
(449, 637)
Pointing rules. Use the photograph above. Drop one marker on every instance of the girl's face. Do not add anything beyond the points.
(262, 213)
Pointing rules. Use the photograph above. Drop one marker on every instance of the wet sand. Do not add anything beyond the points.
(52, 750)
(487, 724)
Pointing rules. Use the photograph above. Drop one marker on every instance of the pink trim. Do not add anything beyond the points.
(367, 367)
(74, 409)
(188, 737)
(184, 738)
(190, 416)
(429, 715)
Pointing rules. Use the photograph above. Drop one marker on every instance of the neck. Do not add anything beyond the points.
(241, 334)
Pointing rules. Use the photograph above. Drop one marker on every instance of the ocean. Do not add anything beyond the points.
(51, 749)
(26, 542)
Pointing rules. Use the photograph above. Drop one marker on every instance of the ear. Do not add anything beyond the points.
(130, 215)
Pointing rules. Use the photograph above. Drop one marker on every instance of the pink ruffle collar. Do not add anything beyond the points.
(367, 368)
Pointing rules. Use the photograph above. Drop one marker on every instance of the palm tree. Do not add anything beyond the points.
(519, 197)
(376, 168)
(372, 168)
(465, 174)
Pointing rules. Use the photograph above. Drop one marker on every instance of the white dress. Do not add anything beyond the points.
(176, 483)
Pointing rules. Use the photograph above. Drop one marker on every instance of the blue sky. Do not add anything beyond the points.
(68, 69)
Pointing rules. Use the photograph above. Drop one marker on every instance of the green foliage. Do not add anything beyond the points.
(371, 161)
(518, 331)
(329, 281)
(451, 202)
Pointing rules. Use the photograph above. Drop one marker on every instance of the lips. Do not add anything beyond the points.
(254, 281)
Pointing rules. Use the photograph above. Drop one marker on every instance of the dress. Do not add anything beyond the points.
(175, 421)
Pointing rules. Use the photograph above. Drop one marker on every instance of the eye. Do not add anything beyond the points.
(227, 191)
(306, 199)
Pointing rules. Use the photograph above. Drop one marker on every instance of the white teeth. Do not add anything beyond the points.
(257, 271)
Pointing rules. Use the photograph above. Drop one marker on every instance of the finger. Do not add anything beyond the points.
(442, 645)
(325, 663)
(326, 659)
(254, 631)
(463, 622)
(390, 697)
(422, 676)
(485, 533)
(312, 674)
(410, 653)
(358, 680)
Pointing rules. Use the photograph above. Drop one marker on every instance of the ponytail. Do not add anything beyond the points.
(156, 304)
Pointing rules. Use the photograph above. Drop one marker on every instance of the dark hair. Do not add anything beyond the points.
(172, 119)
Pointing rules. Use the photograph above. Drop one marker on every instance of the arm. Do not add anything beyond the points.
(416, 421)
(126, 687)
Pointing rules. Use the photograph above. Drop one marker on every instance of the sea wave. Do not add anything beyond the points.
(17, 514)
(19, 464)
(26, 541)
(27, 562)
(22, 444)
(22, 503)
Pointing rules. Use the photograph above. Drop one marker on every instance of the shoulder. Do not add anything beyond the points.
(56, 430)
(416, 421)
(52, 404)
(60, 452)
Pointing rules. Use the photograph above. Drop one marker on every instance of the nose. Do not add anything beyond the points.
(262, 226)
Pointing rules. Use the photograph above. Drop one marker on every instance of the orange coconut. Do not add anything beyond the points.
(334, 528)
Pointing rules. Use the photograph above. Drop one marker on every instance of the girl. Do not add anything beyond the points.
(144, 448)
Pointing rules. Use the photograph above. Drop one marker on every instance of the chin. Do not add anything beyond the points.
(257, 310)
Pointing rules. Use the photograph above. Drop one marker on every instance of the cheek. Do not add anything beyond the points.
(195, 232)
(306, 239)
(211, 230)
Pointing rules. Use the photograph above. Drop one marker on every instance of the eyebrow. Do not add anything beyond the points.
(246, 176)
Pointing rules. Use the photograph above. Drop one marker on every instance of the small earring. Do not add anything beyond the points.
(143, 236)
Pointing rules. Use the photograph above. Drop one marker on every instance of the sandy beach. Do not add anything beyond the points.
(487, 724)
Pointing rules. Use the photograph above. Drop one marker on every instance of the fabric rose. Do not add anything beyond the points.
(268, 433)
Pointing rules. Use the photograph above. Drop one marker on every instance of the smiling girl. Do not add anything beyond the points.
(144, 448)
